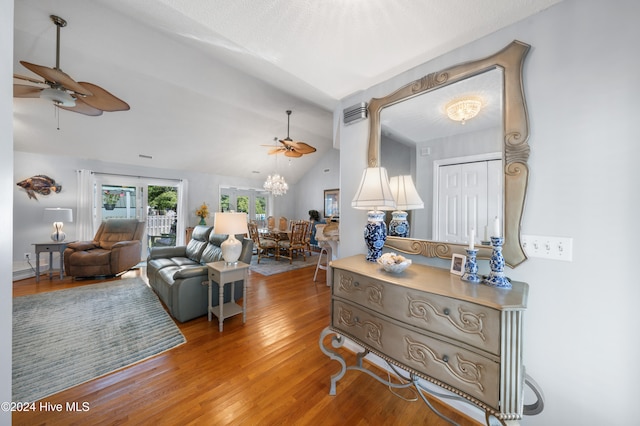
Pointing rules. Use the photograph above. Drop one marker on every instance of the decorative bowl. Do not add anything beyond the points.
(394, 263)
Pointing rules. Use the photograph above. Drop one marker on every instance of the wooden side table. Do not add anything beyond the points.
(224, 274)
(50, 248)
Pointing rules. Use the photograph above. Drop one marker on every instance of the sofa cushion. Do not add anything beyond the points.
(92, 257)
(211, 253)
(183, 261)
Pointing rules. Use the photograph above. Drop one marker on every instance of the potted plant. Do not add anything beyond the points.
(110, 199)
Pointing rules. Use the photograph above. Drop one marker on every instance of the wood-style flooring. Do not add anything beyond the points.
(269, 371)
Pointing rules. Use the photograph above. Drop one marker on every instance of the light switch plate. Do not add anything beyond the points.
(556, 248)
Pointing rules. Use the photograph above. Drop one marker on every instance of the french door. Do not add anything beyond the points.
(253, 202)
(127, 197)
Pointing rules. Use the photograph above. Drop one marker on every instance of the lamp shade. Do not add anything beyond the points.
(230, 224)
(374, 192)
(57, 214)
(405, 193)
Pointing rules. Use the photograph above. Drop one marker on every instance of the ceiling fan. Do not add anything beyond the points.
(66, 93)
(289, 147)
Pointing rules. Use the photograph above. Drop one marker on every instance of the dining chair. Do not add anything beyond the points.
(271, 222)
(265, 247)
(295, 244)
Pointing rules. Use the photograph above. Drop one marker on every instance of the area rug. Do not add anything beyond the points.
(67, 337)
(270, 266)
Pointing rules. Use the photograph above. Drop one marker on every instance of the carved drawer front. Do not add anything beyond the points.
(457, 367)
(467, 322)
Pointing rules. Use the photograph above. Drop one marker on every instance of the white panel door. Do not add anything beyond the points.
(466, 201)
(474, 199)
(449, 205)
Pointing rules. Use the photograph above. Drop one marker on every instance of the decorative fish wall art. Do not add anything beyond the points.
(41, 184)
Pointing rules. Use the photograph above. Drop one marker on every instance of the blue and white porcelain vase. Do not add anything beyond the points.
(375, 234)
(496, 278)
(399, 226)
(471, 267)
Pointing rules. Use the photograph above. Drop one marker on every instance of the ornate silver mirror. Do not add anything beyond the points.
(501, 128)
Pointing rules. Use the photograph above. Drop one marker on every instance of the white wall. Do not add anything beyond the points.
(309, 193)
(6, 191)
(580, 79)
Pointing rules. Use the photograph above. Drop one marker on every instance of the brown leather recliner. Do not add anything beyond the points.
(115, 248)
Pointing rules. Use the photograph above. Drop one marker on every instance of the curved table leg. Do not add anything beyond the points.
(336, 341)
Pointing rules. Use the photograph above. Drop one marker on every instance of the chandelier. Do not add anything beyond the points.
(276, 184)
(463, 109)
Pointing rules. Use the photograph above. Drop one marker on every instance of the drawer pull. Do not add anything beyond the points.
(446, 311)
(356, 284)
(356, 320)
(445, 358)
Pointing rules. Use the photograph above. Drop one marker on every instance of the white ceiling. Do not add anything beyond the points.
(209, 81)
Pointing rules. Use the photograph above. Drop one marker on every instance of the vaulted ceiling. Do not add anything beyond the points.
(209, 81)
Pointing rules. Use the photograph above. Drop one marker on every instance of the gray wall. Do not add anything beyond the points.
(309, 193)
(6, 194)
(581, 85)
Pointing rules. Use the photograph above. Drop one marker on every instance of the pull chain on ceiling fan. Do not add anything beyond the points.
(289, 147)
(65, 92)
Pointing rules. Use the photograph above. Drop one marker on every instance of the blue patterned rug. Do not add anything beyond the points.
(67, 337)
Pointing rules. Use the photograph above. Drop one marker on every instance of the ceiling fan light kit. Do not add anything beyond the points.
(63, 91)
(58, 96)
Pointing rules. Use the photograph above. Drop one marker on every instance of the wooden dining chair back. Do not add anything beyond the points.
(271, 222)
(295, 244)
(283, 224)
(265, 247)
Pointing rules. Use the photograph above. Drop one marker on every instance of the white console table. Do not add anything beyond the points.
(466, 338)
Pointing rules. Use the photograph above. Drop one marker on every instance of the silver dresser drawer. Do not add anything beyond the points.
(473, 324)
(462, 369)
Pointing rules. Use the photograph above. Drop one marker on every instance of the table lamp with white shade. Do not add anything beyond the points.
(230, 223)
(374, 194)
(58, 216)
(407, 198)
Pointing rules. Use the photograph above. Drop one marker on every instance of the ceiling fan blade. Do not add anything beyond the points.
(102, 99)
(293, 154)
(302, 147)
(29, 79)
(24, 91)
(57, 77)
(275, 151)
(82, 108)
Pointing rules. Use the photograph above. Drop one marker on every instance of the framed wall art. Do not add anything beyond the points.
(332, 203)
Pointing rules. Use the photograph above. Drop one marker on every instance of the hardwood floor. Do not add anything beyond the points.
(267, 371)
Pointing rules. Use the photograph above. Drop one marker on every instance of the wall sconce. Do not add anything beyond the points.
(407, 198)
(463, 109)
(374, 194)
(230, 224)
(58, 215)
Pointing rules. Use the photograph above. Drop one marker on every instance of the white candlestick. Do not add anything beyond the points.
(472, 239)
(486, 233)
(496, 228)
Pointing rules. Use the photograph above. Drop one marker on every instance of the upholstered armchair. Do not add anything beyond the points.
(115, 248)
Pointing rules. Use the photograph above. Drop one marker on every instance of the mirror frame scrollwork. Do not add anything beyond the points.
(516, 148)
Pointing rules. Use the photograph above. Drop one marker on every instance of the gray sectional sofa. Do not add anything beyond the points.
(179, 275)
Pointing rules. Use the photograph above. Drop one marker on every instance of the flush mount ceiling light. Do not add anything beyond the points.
(463, 109)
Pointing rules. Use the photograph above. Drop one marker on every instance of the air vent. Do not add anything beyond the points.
(355, 113)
